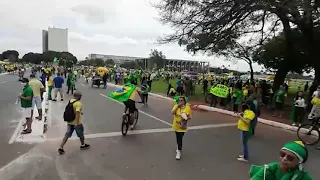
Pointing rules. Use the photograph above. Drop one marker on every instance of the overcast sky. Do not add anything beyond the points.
(114, 27)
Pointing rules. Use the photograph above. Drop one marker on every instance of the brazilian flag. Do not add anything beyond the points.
(124, 93)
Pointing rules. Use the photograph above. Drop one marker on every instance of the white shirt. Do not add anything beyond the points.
(300, 102)
(316, 94)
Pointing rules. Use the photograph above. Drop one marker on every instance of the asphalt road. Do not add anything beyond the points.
(148, 153)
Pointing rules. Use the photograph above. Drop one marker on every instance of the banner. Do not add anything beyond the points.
(124, 93)
(220, 90)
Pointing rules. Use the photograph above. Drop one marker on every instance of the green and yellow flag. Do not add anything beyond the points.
(124, 93)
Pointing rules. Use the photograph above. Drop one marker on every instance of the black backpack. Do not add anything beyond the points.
(69, 114)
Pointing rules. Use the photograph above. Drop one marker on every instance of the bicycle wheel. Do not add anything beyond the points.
(308, 134)
(125, 124)
(136, 116)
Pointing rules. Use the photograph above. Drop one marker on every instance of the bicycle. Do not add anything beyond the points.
(126, 121)
(310, 129)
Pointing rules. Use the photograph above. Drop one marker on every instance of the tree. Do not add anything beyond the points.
(1, 57)
(243, 52)
(34, 58)
(129, 65)
(110, 62)
(156, 59)
(272, 54)
(215, 25)
(12, 55)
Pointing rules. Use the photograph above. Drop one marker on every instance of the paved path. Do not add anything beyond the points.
(148, 153)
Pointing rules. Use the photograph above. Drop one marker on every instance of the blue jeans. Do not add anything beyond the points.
(254, 123)
(244, 143)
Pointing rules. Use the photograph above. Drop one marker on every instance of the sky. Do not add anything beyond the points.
(113, 27)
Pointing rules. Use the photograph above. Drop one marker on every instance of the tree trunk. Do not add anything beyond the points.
(251, 72)
(280, 77)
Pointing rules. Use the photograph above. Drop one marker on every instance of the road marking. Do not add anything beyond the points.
(83, 84)
(145, 131)
(3, 82)
(142, 112)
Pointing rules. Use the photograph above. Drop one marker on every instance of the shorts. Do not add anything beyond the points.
(131, 105)
(36, 101)
(79, 130)
(27, 112)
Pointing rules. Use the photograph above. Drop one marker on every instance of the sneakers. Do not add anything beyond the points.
(82, 147)
(178, 155)
(85, 146)
(242, 159)
(61, 151)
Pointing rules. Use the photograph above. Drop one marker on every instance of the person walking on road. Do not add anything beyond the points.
(38, 89)
(58, 82)
(26, 103)
(181, 115)
(72, 115)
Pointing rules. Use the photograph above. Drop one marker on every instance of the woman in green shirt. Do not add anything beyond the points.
(292, 155)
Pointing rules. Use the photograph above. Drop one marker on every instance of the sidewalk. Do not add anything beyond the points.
(271, 121)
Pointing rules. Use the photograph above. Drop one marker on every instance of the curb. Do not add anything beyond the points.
(222, 111)
(3, 73)
(261, 120)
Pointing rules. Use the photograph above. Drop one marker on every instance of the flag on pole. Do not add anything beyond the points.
(55, 60)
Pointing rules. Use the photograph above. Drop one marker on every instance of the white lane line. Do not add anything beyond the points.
(82, 84)
(16, 131)
(142, 112)
(3, 82)
(146, 131)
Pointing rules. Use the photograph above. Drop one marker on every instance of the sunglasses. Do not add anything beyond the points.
(288, 156)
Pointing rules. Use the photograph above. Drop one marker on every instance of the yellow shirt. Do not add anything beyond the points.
(50, 81)
(133, 95)
(249, 115)
(36, 85)
(177, 117)
(77, 107)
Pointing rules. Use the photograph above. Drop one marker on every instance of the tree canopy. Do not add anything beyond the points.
(212, 26)
(64, 58)
(11, 55)
(157, 59)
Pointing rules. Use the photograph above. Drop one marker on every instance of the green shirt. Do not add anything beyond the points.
(27, 92)
(274, 172)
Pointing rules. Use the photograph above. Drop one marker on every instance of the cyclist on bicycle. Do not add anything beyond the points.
(131, 104)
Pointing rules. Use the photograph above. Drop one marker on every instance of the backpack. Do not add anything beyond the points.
(69, 114)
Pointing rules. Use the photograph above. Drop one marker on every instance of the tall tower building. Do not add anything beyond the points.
(55, 39)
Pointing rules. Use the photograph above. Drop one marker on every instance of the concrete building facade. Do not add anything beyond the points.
(55, 39)
(170, 64)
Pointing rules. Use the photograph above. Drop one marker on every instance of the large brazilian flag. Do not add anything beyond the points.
(124, 93)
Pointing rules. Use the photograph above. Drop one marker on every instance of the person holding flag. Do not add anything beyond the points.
(144, 92)
(127, 95)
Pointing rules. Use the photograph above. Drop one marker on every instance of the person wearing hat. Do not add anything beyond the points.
(26, 103)
(292, 156)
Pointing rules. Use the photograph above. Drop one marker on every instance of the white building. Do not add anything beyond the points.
(116, 59)
(55, 39)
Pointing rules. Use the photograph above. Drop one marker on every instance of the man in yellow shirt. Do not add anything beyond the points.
(75, 124)
(38, 89)
(50, 85)
(244, 125)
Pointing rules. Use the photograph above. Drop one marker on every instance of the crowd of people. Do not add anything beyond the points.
(292, 155)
